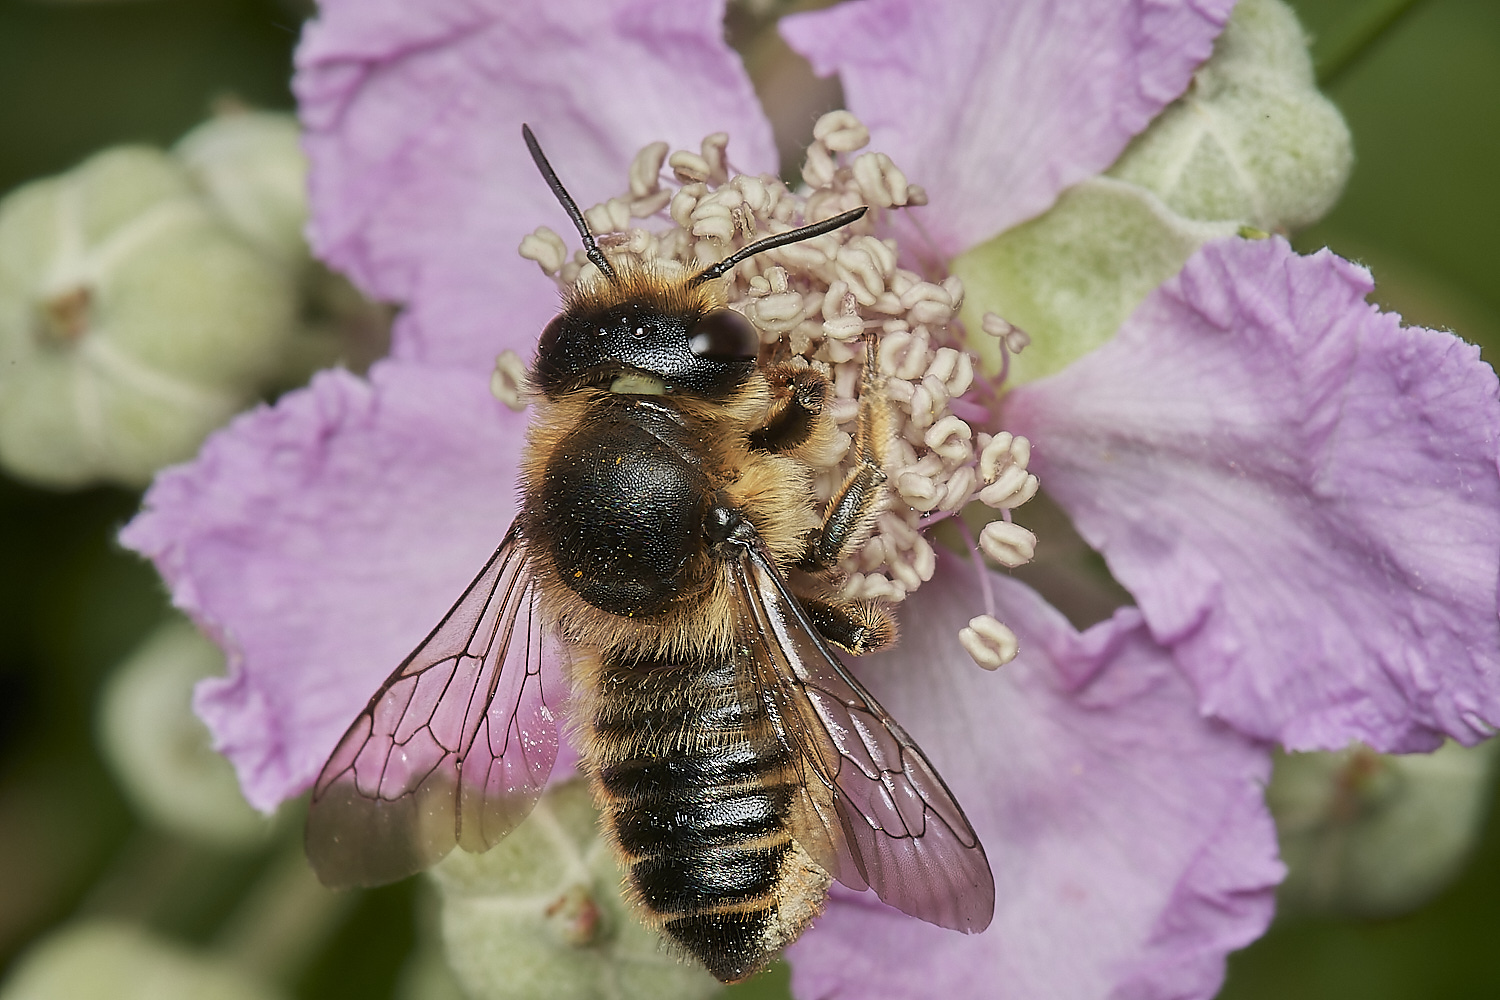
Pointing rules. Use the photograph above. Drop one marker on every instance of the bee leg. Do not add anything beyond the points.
(851, 513)
(858, 627)
(799, 397)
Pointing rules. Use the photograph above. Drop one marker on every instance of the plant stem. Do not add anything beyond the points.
(1357, 36)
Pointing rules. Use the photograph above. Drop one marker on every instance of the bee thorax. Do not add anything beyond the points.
(621, 506)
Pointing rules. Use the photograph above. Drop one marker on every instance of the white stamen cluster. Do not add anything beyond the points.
(819, 301)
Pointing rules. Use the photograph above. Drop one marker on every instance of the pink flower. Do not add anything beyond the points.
(1301, 494)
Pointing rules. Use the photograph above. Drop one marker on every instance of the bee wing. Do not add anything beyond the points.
(454, 748)
(894, 826)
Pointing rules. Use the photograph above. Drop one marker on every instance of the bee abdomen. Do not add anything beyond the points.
(697, 795)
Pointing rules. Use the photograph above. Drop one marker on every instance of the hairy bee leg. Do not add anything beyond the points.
(858, 627)
(851, 512)
(799, 397)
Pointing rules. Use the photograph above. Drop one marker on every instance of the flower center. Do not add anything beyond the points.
(824, 302)
(64, 318)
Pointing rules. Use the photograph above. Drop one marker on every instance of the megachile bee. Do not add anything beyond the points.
(665, 567)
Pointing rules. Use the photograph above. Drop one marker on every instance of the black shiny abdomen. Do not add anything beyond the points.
(621, 507)
(697, 793)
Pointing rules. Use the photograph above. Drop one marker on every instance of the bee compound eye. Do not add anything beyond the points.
(552, 332)
(724, 335)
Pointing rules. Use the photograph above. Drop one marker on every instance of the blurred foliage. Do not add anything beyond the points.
(1419, 83)
(78, 76)
(1423, 204)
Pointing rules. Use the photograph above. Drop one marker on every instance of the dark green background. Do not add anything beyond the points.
(1422, 209)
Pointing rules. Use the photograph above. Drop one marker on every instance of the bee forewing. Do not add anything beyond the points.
(454, 748)
(896, 827)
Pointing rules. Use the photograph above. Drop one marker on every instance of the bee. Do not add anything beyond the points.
(669, 567)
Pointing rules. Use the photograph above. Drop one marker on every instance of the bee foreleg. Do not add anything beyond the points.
(859, 627)
(798, 397)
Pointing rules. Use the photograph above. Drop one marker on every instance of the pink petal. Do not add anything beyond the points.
(319, 540)
(1130, 844)
(1301, 493)
(995, 106)
(421, 186)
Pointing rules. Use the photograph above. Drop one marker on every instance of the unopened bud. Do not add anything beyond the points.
(162, 752)
(250, 166)
(110, 960)
(133, 320)
(541, 915)
(1377, 835)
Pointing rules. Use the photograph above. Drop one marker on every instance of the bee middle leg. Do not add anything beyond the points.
(851, 513)
(797, 408)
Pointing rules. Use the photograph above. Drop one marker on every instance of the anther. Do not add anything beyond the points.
(989, 642)
(645, 170)
(713, 147)
(841, 132)
(688, 167)
(880, 181)
(546, 248)
(818, 169)
(611, 217)
(1008, 544)
(508, 380)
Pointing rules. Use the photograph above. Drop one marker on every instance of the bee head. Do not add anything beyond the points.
(640, 324)
(670, 332)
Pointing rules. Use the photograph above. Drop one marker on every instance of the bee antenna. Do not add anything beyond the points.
(569, 205)
(772, 242)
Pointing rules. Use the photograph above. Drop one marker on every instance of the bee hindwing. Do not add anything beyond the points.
(875, 808)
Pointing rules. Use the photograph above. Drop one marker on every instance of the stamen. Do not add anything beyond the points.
(880, 181)
(1008, 544)
(980, 569)
(546, 248)
(508, 380)
(1013, 339)
(689, 167)
(645, 170)
(991, 644)
(841, 132)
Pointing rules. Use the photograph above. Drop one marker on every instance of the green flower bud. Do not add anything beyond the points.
(541, 916)
(160, 750)
(132, 321)
(1251, 147)
(104, 960)
(1070, 277)
(249, 166)
(1252, 140)
(1370, 835)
